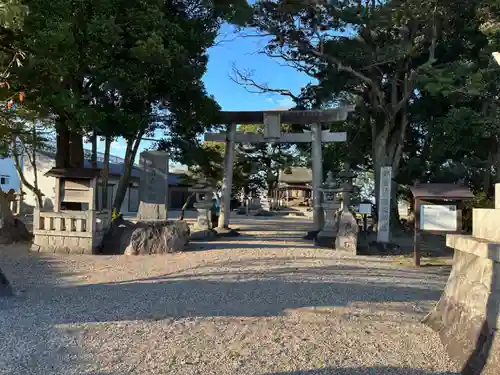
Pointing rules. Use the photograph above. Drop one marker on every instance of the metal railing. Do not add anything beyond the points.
(87, 154)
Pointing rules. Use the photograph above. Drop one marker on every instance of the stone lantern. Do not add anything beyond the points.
(345, 178)
(203, 204)
(331, 203)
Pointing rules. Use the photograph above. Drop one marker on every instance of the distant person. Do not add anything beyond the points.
(215, 211)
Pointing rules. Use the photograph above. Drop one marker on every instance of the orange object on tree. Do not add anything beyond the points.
(21, 97)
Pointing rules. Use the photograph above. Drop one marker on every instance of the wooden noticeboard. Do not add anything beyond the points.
(437, 210)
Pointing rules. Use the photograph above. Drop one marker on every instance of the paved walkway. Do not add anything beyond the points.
(266, 302)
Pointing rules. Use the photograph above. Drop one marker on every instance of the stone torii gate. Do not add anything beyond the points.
(272, 134)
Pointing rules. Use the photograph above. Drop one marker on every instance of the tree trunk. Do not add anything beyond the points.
(76, 150)
(105, 173)
(385, 154)
(186, 203)
(62, 145)
(93, 141)
(130, 153)
(93, 163)
(69, 153)
(5, 288)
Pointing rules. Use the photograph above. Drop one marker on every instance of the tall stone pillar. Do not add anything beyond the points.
(317, 176)
(153, 186)
(225, 206)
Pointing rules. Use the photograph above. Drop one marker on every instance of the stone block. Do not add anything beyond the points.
(479, 247)
(467, 315)
(497, 196)
(485, 224)
(158, 238)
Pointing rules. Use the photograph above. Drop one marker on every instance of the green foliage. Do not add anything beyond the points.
(420, 73)
(115, 215)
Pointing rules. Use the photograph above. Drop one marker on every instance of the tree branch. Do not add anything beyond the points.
(410, 79)
(245, 80)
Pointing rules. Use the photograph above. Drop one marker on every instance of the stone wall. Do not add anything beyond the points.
(467, 315)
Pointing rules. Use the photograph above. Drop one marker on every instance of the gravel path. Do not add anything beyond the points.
(257, 304)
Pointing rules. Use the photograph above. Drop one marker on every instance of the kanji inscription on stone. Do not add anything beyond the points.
(153, 186)
(384, 209)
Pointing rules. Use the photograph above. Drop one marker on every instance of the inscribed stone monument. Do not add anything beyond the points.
(153, 186)
(384, 209)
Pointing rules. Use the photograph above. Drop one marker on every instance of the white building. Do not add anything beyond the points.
(9, 178)
(178, 192)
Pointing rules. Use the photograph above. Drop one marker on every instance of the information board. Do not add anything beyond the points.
(365, 208)
(441, 218)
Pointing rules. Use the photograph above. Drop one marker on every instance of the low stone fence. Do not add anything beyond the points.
(78, 232)
(467, 315)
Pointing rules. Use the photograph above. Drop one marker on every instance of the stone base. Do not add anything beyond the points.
(66, 243)
(467, 315)
(347, 242)
(158, 238)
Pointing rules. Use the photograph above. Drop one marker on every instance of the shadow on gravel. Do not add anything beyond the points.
(216, 245)
(364, 371)
(30, 344)
(228, 294)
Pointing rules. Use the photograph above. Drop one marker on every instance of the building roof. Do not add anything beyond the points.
(441, 191)
(83, 173)
(295, 175)
(116, 169)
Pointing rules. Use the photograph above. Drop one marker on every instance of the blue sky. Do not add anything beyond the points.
(243, 52)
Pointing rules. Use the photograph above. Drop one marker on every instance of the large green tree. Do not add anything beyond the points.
(11, 14)
(121, 68)
(373, 54)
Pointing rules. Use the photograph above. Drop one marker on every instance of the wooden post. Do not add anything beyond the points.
(417, 234)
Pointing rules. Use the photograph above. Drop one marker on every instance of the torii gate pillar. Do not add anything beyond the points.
(227, 182)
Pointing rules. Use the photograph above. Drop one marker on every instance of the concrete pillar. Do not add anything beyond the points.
(227, 183)
(317, 176)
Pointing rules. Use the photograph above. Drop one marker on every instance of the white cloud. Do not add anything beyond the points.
(117, 146)
(286, 102)
(281, 102)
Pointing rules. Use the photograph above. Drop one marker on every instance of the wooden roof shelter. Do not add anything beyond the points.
(441, 191)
